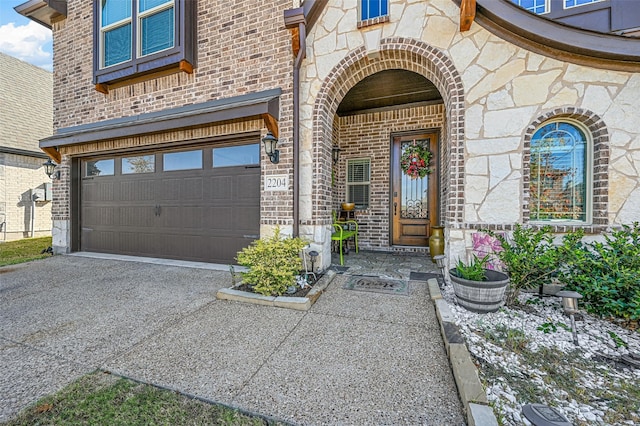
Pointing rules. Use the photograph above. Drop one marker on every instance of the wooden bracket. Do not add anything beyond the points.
(271, 124)
(467, 14)
(295, 41)
(102, 88)
(186, 67)
(53, 153)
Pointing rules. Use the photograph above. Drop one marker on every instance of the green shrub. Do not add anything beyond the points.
(530, 258)
(273, 263)
(607, 274)
(474, 271)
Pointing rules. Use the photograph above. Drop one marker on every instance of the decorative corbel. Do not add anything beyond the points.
(467, 14)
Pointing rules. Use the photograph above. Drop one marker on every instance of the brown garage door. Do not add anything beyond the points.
(194, 204)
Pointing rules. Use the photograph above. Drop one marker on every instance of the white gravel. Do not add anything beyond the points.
(527, 326)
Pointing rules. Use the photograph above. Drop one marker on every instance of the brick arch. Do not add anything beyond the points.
(600, 138)
(395, 53)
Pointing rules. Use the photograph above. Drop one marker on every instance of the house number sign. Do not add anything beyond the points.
(276, 182)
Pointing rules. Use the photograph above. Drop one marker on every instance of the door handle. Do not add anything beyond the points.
(395, 208)
(156, 210)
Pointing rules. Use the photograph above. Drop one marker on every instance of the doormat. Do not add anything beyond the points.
(377, 285)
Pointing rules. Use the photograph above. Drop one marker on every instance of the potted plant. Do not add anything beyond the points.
(477, 288)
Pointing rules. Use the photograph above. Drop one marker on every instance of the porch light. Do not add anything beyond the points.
(270, 143)
(49, 168)
(335, 153)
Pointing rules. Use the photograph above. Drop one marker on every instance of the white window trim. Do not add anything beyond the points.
(367, 182)
(141, 15)
(588, 172)
(138, 36)
(579, 5)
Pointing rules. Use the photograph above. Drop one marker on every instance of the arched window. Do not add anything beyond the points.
(560, 173)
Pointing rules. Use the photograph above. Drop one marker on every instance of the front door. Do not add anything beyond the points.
(414, 189)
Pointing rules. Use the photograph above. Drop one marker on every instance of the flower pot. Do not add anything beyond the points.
(480, 296)
(436, 241)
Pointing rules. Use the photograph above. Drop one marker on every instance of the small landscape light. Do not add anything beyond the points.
(313, 255)
(569, 301)
(570, 306)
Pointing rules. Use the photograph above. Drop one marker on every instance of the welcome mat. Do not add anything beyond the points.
(377, 285)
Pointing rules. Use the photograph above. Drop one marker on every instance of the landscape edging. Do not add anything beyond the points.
(465, 373)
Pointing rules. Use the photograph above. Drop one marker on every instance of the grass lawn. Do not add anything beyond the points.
(103, 399)
(25, 250)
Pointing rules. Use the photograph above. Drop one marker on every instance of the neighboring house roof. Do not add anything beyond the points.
(26, 105)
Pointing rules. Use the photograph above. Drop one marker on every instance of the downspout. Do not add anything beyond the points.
(302, 35)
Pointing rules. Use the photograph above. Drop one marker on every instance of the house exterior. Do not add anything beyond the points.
(472, 114)
(26, 116)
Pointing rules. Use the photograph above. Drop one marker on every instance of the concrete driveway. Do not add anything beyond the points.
(354, 358)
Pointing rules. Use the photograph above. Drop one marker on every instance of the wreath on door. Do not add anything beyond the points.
(415, 161)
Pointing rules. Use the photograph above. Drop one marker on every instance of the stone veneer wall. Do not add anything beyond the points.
(369, 136)
(505, 92)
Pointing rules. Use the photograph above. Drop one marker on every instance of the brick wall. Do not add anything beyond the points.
(18, 176)
(369, 136)
(242, 47)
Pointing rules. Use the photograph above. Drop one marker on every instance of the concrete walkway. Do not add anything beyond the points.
(354, 358)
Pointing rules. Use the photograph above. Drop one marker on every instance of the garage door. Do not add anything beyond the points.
(199, 204)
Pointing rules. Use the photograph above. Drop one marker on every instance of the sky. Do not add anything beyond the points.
(23, 38)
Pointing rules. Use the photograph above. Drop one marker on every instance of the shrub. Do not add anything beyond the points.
(273, 263)
(474, 271)
(529, 256)
(607, 274)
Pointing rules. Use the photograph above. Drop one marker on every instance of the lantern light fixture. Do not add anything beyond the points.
(270, 143)
(50, 169)
(335, 153)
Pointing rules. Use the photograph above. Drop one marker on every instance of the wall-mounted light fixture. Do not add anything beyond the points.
(270, 143)
(49, 168)
(335, 153)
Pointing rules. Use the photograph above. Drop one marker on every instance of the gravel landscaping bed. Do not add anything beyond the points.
(525, 354)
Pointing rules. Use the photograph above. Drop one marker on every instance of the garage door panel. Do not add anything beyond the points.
(246, 188)
(105, 241)
(138, 190)
(205, 214)
(97, 190)
(219, 218)
(191, 189)
(218, 188)
(137, 216)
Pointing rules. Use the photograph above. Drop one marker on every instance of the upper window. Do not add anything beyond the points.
(560, 173)
(99, 167)
(184, 160)
(242, 155)
(139, 164)
(535, 6)
(141, 36)
(370, 9)
(358, 181)
(120, 39)
(573, 3)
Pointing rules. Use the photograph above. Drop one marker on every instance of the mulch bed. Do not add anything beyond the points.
(299, 293)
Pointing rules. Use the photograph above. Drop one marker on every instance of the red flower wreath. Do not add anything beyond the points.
(415, 161)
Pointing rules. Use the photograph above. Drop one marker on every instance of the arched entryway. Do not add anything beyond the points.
(328, 128)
